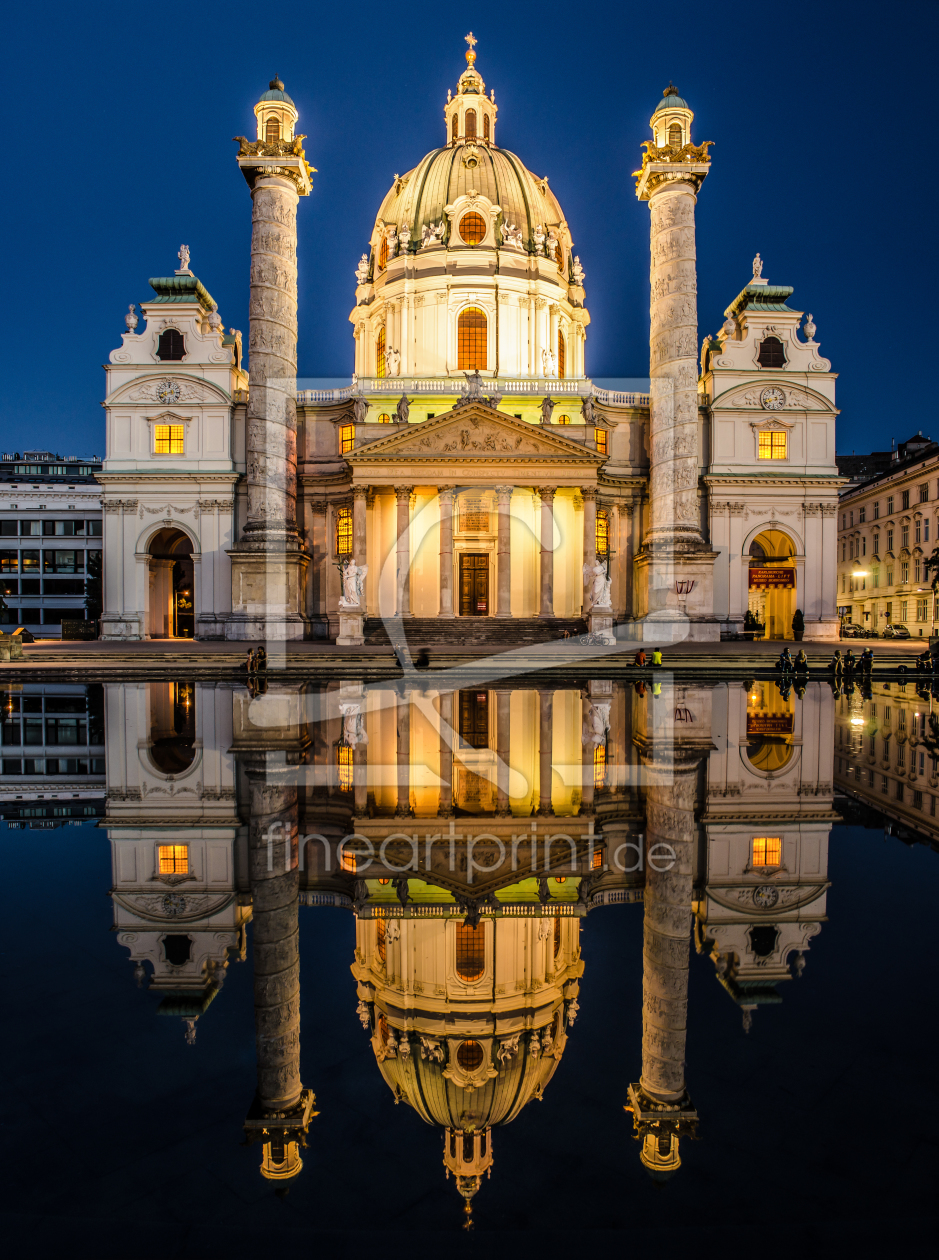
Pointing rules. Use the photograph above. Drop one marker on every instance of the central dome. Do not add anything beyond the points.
(471, 264)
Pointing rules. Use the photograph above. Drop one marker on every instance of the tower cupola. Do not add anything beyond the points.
(671, 120)
(276, 114)
(470, 115)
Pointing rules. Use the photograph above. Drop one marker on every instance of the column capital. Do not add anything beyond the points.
(547, 493)
(504, 492)
(360, 492)
(626, 509)
(403, 493)
(589, 492)
(442, 490)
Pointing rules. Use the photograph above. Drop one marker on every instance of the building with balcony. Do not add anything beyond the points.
(50, 531)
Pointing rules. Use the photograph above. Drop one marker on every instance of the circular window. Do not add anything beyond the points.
(472, 228)
(384, 418)
(563, 420)
(470, 1056)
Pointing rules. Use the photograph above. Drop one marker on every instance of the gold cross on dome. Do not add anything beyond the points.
(471, 40)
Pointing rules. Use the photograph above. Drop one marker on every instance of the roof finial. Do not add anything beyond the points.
(275, 84)
(671, 90)
(472, 41)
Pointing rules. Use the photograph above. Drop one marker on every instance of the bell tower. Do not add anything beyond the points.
(268, 563)
(675, 561)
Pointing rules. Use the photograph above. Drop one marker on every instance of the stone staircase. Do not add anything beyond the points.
(471, 632)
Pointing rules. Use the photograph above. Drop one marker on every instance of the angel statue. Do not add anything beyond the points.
(183, 257)
(353, 584)
(597, 586)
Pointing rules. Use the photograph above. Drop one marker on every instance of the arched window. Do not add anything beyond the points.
(486, 132)
(472, 228)
(171, 345)
(384, 418)
(382, 938)
(344, 532)
(557, 935)
(272, 131)
(470, 951)
(471, 340)
(383, 254)
(674, 135)
(380, 353)
(344, 756)
(563, 420)
(471, 124)
(602, 531)
(454, 128)
(771, 353)
(562, 349)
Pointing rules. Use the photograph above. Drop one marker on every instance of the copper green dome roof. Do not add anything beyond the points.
(670, 100)
(419, 197)
(277, 93)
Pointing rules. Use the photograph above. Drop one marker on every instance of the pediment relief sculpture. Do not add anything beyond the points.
(774, 398)
(169, 390)
(473, 431)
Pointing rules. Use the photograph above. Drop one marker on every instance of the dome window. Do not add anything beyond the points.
(470, 952)
(380, 345)
(486, 131)
(771, 353)
(470, 1057)
(472, 228)
(557, 935)
(472, 336)
(674, 135)
(171, 347)
(562, 348)
(383, 940)
(471, 124)
(454, 128)
(272, 131)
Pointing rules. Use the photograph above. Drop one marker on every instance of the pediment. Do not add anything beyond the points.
(474, 433)
(168, 387)
(795, 398)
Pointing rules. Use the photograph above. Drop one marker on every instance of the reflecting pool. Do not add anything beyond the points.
(652, 959)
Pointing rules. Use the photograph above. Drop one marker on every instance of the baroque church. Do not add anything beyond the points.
(471, 478)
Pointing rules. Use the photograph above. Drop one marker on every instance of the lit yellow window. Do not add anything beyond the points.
(600, 439)
(344, 532)
(168, 439)
(599, 769)
(597, 859)
(384, 418)
(773, 444)
(766, 850)
(346, 438)
(563, 420)
(382, 940)
(380, 361)
(344, 762)
(602, 534)
(174, 859)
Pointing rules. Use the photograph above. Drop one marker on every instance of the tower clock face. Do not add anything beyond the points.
(772, 398)
(168, 391)
(765, 897)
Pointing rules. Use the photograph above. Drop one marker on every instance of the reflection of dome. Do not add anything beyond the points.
(769, 752)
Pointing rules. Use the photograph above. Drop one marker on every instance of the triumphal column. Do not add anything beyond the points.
(675, 563)
(268, 562)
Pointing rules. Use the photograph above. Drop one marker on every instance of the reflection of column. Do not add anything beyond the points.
(403, 726)
(661, 1108)
(624, 561)
(504, 552)
(403, 575)
(359, 506)
(590, 536)
(445, 708)
(503, 750)
(445, 495)
(547, 493)
(586, 800)
(546, 734)
(360, 778)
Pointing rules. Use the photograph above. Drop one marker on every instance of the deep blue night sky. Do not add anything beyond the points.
(120, 120)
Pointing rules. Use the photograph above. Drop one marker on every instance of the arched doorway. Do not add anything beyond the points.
(172, 585)
(172, 726)
(771, 593)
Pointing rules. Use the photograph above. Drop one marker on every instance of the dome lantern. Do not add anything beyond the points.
(276, 114)
(671, 120)
(470, 115)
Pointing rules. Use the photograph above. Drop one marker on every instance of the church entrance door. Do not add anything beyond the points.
(474, 585)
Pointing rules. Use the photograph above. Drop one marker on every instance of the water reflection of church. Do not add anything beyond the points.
(470, 832)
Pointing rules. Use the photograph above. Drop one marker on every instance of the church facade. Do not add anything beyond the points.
(471, 478)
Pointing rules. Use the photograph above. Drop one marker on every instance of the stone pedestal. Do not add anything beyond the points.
(351, 627)
(267, 589)
(600, 622)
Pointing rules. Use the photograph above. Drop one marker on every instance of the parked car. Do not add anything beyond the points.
(851, 631)
(896, 632)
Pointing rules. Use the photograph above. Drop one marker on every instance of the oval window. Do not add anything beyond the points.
(470, 1056)
(472, 228)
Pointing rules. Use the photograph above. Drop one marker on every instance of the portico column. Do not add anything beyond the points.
(587, 772)
(403, 571)
(403, 725)
(445, 709)
(445, 496)
(359, 506)
(624, 560)
(503, 720)
(504, 552)
(546, 494)
(545, 751)
(590, 536)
